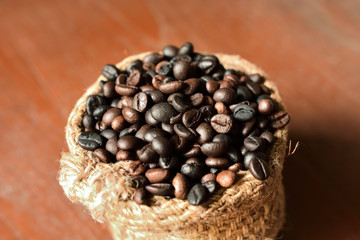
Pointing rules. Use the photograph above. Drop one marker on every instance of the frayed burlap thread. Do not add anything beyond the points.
(250, 209)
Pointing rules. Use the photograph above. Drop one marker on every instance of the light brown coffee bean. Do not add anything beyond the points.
(226, 178)
(181, 185)
(157, 175)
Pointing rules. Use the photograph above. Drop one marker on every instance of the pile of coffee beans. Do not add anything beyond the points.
(187, 124)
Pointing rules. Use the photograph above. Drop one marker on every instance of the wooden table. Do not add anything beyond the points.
(50, 51)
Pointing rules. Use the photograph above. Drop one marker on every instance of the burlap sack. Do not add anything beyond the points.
(250, 209)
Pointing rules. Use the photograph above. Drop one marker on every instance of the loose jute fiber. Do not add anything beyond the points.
(250, 209)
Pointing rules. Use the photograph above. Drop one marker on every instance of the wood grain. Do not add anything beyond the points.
(50, 51)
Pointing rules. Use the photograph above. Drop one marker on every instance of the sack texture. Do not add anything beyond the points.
(250, 209)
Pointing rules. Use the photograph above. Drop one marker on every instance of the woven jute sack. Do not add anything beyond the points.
(250, 209)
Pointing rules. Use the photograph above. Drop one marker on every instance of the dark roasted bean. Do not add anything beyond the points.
(91, 140)
(233, 154)
(153, 58)
(214, 149)
(194, 151)
(259, 169)
(236, 167)
(197, 194)
(247, 127)
(212, 86)
(134, 78)
(118, 123)
(186, 49)
(125, 101)
(131, 115)
(157, 175)
(164, 68)
(181, 70)
(99, 111)
(88, 121)
(122, 155)
(142, 131)
(109, 115)
(253, 87)
(206, 133)
(210, 185)
(160, 189)
(126, 90)
(222, 138)
(243, 93)
(191, 85)
(162, 146)
(244, 113)
(191, 118)
(171, 87)
(149, 118)
(103, 155)
(197, 99)
(256, 78)
(171, 163)
(208, 177)
(138, 181)
(163, 112)
(253, 143)
(184, 132)
(146, 154)
(137, 168)
(207, 112)
(110, 72)
(140, 102)
(93, 102)
(266, 107)
(279, 119)
(251, 155)
(225, 95)
(221, 108)
(180, 104)
(193, 171)
(219, 162)
(136, 64)
(109, 89)
(170, 51)
(169, 128)
(226, 178)
(121, 79)
(221, 123)
(181, 185)
(108, 133)
(157, 80)
(141, 196)
(111, 145)
(268, 136)
(129, 142)
(152, 133)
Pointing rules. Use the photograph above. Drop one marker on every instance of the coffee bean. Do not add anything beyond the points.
(138, 181)
(231, 71)
(129, 142)
(210, 185)
(236, 167)
(214, 149)
(184, 132)
(169, 128)
(243, 93)
(256, 78)
(212, 86)
(253, 143)
(197, 194)
(266, 107)
(226, 178)
(171, 163)
(122, 155)
(88, 121)
(194, 151)
(180, 104)
(191, 118)
(253, 155)
(140, 102)
(162, 146)
(130, 130)
(157, 80)
(253, 87)
(279, 119)
(208, 177)
(207, 65)
(171, 87)
(141, 196)
(111, 145)
(259, 169)
(125, 101)
(131, 115)
(219, 162)
(160, 189)
(197, 99)
(110, 72)
(191, 85)
(118, 123)
(268, 136)
(108, 133)
(157, 175)
(244, 113)
(90, 140)
(126, 90)
(225, 95)
(206, 133)
(136, 64)
(186, 49)
(99, 111)
(109, 89)
(134, 78)
(103, 155)
(181, 185)
(207, 112)
(146, 154)
(233, 154)
(121, 79)
(164, 68)
(109, 115)
(137, 168)
(142, 131)
(153, 58)
(223, 138)
(181, 69)
(170, 51)
(247, 127)
(214, 170)
(149, 118)
(163, 112)
(221, 108)
(193, 171)
(221, 123)
(152, 133)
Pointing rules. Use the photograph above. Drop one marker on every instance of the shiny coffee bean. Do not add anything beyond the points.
(110, 72)
(191, 85)
(152, 133)
(197, 194)
(109, 115)
(268, 136)
(111, 145)
(208, 177)
(236, 167)
(134, 78)
(149, 118)
(219, 162)
(253, 143)
(214, 149)
(181, 185)
(243, 93)
(266, 107)
(142, 131)
(141, 196)
(197, 99)
(191, 118)
(186, 49)
(153, 58)
(233, 154)
(164, 68)
(108, 133)
(138, 181)
(244, 113)
(170, 51)
(248, 127)
(212, 86)
(122, 155)
(99, 111)
(157, 80)
(205, 132)
(171, 163)
(103, 155)
(253, 155)
(136, 64)
(184, 132)
(157, 175)
(129, 142)
(130, 130)
(88, 121)
(279, 119)
(160, 189)
(207, 112)
(125, 101)
(226, 178)
(93, 101)
(126, 90)
(193, 171)
(162, 146)
(163, 112)
(140, 102)
(259, 169)
(221, 108)
(118, 123)
(91, 140)
(181, 70)
(225, 95)
(221, 123)
(109, 89)
(137, 168)
(194, 151)
(221, 137)
(171, 87)
(253, 87)
(210, 185)
(146, 154)
(256, 78)
(180, 104)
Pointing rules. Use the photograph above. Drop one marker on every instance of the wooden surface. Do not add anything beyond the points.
(50, 51)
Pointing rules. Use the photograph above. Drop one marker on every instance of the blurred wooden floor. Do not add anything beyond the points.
(50, 51)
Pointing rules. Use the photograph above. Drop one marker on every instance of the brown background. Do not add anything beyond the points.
(50, 51)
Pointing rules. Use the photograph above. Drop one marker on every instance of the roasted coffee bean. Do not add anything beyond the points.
(186, 49)
(103, 155)
(160, 189)
(169, 128)
(253, 87)
(88, 121)
(153, 58)
(110, 72)
(146, 154)
(109, 115)
(181, 70)
(163, 112)
(233, 78)
(108, 133)
(191, 85)
(194, 151)
(236, 167)
(184, 132)
(153, 165)
(171, 163)
(181, 185)
(268, 136)
(212, 86)
(233, 154)
(137, 168)
(214, 170)
(279, 119)
(219, 162)
(253, 143)
(230, 71)
(126, 90)
(115, 102)
(125, 101)
(121, 79)
(99, 111)
(118, 123)
(134, 78)
(197, 194)
(129, 142)
(207, 112)
(138, 181)
(207, 65)
(140, 102)
(149, 118)
(152, 133)
(164, 68)
(111, 145)
(171, 96)
(131, 115)
(244, 113)
(94, 101)
(136, 64)
(122, 155)
(191, 118)
(211, 186)
(162, 146)
(195, 161)
(141, 196)
(251, 155)
(109, 89)
(247, 127)
(223, 138)
(157, 80)
(146, 88)
(225, 95)
(91, 140)
(180, 104)
(264, 96)
(100, 126)
(170, 51)
(266, 107)
(142, 131)
(262, 122)
(225, 84)
(130, 130)
(226, 178)
(206, 133)
(197, 99)
(221, 108)
(256, 78)
(157, 175)
(214, 149)
(221, 123)
(208, 177)
(259, 169)
(243, 93)
(193, 171)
